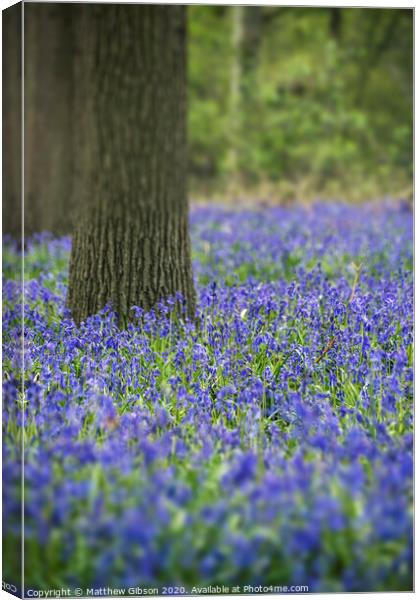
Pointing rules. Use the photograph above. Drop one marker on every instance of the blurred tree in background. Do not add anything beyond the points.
(300, 102)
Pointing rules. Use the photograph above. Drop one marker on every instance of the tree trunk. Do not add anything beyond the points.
(246, 43)
(335, 24)
(235, 93)
(131, 246)
(49, 122)
(12, 120)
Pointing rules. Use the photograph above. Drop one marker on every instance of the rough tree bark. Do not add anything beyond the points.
(131, 246)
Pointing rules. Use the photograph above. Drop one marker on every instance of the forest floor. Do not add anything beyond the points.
(270, 444)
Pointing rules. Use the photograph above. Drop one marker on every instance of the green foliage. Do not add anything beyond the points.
(329, 110)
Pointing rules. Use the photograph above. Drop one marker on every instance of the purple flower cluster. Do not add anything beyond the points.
(270, 444)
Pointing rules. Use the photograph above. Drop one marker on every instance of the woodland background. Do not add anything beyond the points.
(299, 103)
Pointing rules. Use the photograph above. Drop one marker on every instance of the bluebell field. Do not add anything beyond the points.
(268, 443)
